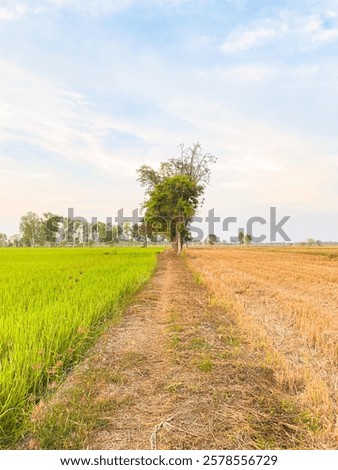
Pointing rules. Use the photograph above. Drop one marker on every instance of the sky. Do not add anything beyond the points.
(90, 90)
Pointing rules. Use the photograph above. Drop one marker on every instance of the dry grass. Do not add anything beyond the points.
(286, 303)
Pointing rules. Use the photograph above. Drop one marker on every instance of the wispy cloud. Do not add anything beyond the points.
(242, 40)
(15, 10)
(94, 7)
(250, 73)
(12, 13)
(38, 112)
(257, 73)
(317, 31)
(301, 29)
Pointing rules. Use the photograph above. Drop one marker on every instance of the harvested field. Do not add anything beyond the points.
(287, 302)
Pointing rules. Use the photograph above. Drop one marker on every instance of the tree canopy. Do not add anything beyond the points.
(192, 162)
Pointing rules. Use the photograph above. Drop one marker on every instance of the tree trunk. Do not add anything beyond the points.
(179, 243)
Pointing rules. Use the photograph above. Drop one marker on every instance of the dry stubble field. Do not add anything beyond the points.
(286, 300)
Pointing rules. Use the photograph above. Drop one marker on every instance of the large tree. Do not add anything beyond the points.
(174, 192)
(3, 239)
(31, 229)
(52, 226)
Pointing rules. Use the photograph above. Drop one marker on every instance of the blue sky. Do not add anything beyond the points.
(90, 90)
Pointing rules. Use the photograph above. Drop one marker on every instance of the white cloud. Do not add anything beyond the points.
(293, 28)
(242, 40)
(317, 32)
(102, 7)
(250, 73)
(37, 112)
(94, 7)
(11, 10)
(18, 10)
(11, 13)
(256, 73)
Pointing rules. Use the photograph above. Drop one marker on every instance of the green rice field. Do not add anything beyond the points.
(53, 303)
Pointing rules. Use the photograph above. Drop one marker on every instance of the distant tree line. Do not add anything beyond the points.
(51, 230)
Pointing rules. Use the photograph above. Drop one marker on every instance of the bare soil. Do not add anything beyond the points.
(179, 374)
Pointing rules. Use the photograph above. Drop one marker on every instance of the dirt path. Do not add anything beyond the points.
(175, 374)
